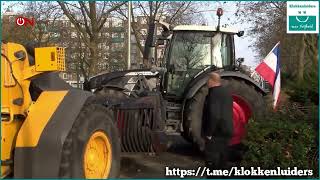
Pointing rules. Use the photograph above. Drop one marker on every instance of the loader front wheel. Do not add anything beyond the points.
(92, 147)
(97, 157)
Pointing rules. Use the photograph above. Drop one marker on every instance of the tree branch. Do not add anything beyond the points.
(105, 15)
(73, 21)
(82, 9)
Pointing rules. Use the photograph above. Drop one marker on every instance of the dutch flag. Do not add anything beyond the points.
(269, 69)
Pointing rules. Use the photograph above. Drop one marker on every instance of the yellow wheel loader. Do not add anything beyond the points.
(48, 129)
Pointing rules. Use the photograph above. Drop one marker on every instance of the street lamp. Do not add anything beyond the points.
(129, 35)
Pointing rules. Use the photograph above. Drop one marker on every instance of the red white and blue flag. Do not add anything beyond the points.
(269, 69)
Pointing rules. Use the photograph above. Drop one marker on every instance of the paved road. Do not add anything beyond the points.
(141, 165)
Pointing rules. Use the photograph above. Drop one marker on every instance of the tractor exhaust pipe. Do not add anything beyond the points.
(148, 54)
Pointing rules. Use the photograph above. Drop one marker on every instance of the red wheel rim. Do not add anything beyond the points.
(241, 114)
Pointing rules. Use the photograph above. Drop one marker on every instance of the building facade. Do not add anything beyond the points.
(112, 46)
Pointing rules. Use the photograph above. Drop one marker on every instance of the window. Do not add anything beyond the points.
(73, 34)
(143, 32)
(106, 24)
(64, 76)
(142, 42)
(65, 23)
(216, 50)
(11, 18)
(117, 23)
(143, 20)
(196, 50)
(117, 46)
(191, 50)
(226, 49)
(133, 48)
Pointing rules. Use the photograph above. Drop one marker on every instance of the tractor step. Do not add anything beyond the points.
(173, 118)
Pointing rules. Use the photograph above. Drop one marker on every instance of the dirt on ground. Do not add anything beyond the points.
(181, 154)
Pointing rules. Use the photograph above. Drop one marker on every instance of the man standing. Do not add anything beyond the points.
(218, 122)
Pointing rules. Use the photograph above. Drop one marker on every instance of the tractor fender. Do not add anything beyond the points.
(202, 80)
(104, 78)
(40, 140)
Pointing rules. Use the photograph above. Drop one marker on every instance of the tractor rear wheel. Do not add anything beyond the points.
(192, 123)
(247, 103)
(92, 148)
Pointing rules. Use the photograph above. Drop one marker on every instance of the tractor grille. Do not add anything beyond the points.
(135, 128)
(139, 125)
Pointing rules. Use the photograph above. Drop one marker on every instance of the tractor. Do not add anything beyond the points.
(180, 84)
(49, 129)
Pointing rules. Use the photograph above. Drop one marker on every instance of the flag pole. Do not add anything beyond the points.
(273, 48)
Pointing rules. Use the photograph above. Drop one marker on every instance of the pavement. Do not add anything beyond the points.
(181, 154)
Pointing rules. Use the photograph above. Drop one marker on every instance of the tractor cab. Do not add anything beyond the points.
(194, 49)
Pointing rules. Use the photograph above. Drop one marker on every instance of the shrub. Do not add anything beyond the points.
(305, 92)
(283, 139)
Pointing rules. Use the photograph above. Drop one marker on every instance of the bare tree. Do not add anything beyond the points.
(45, 15)
(89, 19)
(185, 12)
(47, 26)
(268, 19)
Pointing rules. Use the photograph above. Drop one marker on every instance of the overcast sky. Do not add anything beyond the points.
(241, 44)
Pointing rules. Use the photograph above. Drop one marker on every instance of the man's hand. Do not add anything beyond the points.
(208, 138)
(203, 141)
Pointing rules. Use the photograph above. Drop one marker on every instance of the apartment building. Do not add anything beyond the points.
(112, 47)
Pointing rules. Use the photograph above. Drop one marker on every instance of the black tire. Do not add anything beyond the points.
(192, 124)
(193, 117)
(250, 93)
(92, 118)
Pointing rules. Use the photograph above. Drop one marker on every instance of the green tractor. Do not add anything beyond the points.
(180, 84)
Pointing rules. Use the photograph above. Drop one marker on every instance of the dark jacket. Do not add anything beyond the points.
(218, 112)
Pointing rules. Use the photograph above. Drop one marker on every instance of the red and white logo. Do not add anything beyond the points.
(23, 21)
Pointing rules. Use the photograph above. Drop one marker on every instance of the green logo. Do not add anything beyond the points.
(302, 23)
